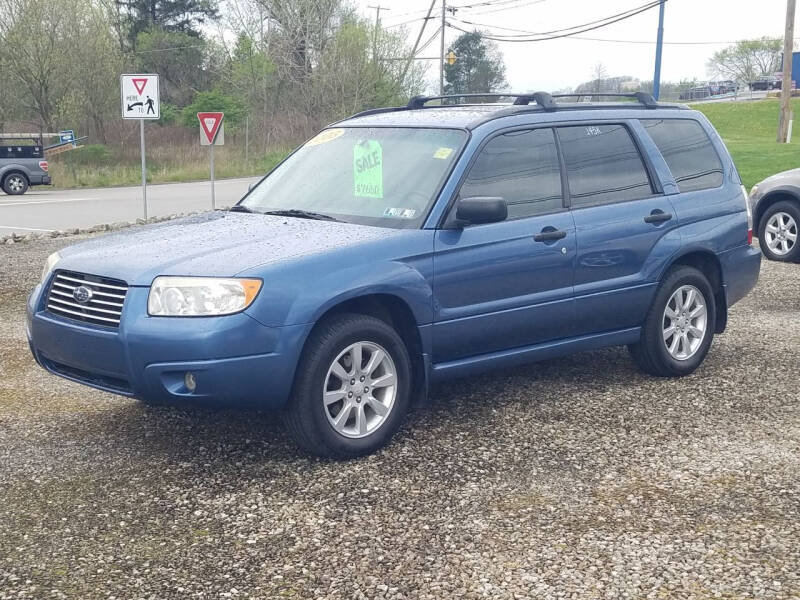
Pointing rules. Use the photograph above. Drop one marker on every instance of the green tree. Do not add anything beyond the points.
(178, 58)
(479, 66)
(179, 16)
(214, 101)
(59, 62)
(746, 60)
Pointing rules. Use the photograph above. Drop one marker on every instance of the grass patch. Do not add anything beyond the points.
(172, 166)
(748, 130)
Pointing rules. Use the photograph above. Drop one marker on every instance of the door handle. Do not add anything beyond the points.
(657, 216)
(550, 236)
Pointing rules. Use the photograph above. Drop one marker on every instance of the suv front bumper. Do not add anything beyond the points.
(235, 359)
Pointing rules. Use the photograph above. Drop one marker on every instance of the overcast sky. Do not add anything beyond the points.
(555, 64)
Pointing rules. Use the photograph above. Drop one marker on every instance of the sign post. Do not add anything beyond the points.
(140, 101)
(212, 133)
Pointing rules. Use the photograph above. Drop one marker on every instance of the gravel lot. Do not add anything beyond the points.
(573, 478)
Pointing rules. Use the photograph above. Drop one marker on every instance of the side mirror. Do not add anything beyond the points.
(251, 186)
(481, 209)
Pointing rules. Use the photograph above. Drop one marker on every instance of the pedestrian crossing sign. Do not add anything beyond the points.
(140, 96)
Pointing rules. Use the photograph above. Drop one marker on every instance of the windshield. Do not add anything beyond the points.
(382, 176)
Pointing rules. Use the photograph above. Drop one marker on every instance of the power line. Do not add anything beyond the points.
(523, 4)
(601, 23)
(610, 19)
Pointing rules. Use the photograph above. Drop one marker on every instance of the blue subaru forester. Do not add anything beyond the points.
(404, 246)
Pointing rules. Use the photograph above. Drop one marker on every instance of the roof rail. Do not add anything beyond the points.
(520, 99)
(641, 97)
(543, 100)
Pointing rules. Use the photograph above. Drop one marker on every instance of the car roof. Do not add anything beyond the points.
(470, 116)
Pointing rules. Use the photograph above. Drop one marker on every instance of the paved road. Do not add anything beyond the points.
(45, 209)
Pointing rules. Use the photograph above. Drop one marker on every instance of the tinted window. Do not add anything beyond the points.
(688, 151)
(523, 168)
(603, 165)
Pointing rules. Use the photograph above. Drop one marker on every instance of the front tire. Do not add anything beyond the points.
(778, 232)
(15, 184)
(352, 387)
(679, 326)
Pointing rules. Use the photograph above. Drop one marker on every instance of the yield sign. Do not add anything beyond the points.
(209, 124)
(139, 84)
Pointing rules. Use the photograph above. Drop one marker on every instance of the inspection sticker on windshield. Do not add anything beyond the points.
(443, 153)
(400, 213)
(325, 136)
(368, 169)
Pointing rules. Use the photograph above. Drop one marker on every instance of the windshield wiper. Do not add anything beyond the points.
(301, 214)
(240, 208)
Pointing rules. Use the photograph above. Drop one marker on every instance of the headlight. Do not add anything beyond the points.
(49, 265)
(200, 296)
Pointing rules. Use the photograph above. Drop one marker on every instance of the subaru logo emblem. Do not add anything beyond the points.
(82, 294)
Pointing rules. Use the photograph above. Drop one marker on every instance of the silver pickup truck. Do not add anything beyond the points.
(22, 164)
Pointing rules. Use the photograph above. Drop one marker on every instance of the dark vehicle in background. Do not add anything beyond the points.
(723, 87)
(776, 215)
(767, 82)
(22, 164)
(696, 93)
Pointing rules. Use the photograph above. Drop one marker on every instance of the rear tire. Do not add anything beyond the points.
(15, 184)
(335, 410)
(679, 327)
(779, 232)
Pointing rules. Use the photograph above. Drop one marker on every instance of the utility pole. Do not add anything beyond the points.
(659, 46)
(416, 44)
(378, 10)
(441, 51)
(786, 88)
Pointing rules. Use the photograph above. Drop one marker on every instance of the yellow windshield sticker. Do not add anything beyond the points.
(325, 136)
(368, 169)
(443, 153)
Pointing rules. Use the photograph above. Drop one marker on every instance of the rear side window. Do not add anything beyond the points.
(603, 165)
(522, 167)
(688, 151)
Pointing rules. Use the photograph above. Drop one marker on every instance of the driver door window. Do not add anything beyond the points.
(521, 167)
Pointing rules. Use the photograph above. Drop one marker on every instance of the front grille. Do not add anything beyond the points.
(103, 306)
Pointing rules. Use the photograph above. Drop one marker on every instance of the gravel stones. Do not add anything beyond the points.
(578, 477)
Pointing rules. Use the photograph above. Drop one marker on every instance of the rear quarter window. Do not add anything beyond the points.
(688, 152)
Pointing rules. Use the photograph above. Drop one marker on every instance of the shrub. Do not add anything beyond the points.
(214, 101)
(93, 154)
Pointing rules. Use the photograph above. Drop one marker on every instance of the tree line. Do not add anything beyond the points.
(287, 66)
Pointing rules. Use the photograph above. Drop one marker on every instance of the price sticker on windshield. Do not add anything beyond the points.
(368, 169)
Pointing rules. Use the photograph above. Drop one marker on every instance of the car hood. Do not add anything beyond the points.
(212, 244)
(790, 177)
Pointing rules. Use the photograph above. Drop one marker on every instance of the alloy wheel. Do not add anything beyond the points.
(781, 233)
(360, 389)
(15, 183)
(685, 322)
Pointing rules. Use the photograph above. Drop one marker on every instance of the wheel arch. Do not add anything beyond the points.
(707, 263)
(396, 312)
